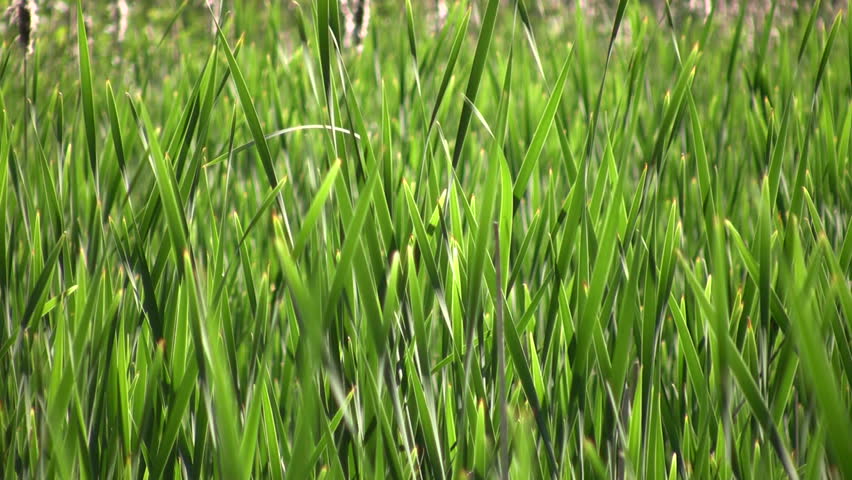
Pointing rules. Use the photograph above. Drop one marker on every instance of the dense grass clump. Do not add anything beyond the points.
(474, 243)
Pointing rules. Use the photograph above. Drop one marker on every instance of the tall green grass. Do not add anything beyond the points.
(517, 247)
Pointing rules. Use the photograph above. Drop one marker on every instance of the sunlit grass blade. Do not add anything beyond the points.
(36, 295)
(458, 41)
(542, 130)
(165, 179)
(482, 47)
(86, 91)
(253, 122)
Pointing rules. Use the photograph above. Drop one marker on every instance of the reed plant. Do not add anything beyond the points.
(505, 246)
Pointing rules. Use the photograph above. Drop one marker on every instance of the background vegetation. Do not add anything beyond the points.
(495, 244)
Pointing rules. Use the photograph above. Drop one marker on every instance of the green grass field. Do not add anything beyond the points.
(509, 247)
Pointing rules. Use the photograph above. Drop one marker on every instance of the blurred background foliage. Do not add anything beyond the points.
(155, 20)
(193, 13)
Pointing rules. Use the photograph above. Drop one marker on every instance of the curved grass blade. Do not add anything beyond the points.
(284, 131)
